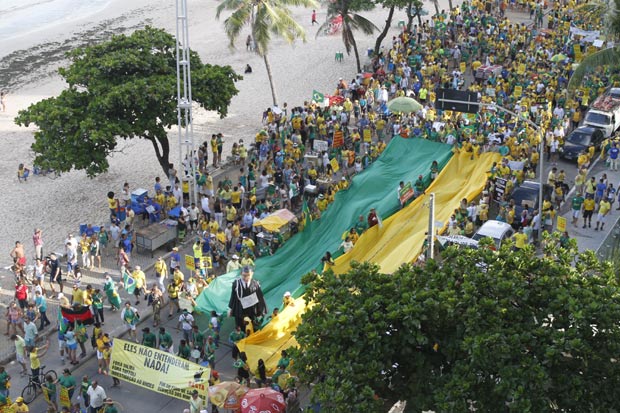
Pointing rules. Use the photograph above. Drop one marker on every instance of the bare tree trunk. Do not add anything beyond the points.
(357, 55)
(450, 5)
(436, 4)
(271, 82)
(388, 23)
(162, 151)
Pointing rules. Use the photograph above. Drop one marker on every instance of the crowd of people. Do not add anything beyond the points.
(304, 155)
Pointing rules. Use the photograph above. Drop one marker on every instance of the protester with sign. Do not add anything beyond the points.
(246, 298)
(165, 341)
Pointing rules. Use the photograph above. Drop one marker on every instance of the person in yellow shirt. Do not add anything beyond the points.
(321, 203)
(35, 359)
(140, 282)
(77, 295)
(19, 406)
(235, 197)
(588, 211)
(520, 239)
(603, 210)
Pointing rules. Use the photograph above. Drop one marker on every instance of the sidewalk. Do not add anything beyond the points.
(588, 238)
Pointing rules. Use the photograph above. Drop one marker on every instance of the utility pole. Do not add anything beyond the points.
(431, 227)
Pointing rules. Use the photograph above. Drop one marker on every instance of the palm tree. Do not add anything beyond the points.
(350, 21)
(265, 18)
(609, 12)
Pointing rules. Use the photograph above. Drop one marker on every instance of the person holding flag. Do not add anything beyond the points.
(112, 295)
(130, 318)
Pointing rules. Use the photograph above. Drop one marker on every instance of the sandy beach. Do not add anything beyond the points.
(28, 71)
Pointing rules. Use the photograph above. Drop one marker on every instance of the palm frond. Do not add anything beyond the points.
(605, 57)
(359, 22)
(261, 30)
(288, 28)
(228, 5)
(236, 22)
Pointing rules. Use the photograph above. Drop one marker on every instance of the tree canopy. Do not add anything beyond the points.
(498, 331)
(123, 88)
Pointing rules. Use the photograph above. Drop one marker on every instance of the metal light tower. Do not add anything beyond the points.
(184, 101)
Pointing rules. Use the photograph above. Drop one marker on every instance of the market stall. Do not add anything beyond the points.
(156, 235)
(276, 228)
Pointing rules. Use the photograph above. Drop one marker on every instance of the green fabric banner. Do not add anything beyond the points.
(376, 187)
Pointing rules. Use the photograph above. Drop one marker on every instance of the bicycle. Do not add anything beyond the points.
(30, 391)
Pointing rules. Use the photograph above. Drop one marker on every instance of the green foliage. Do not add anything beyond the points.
(500, 331)
(123, 88)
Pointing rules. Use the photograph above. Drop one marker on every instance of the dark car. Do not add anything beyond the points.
(527, 194)
(579, 140)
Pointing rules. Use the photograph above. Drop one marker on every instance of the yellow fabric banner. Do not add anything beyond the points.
(158, 370)
(64, 399)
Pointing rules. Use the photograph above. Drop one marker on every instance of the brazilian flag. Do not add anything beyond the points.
(317, 96)
(129, 283)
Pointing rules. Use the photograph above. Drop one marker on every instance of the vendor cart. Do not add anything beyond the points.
(276, 229)
(156, 235)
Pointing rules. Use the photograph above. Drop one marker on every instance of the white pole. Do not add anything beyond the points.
(431, 227)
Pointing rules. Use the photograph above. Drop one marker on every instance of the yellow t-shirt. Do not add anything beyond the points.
(78, 296)
(35, 363)
(520, 240)
(604, 207)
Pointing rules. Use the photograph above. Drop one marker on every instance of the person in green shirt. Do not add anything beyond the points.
(97, 306)
(236, 335)
(67, 381)
(210, 352)
(4, 379)
(84, 385)
(165, 340)
(184, 350)
(360, 225)
(576, 204)
(148, 338)
(284, 360)
(198, 339)
(108, 406)
(50, 387)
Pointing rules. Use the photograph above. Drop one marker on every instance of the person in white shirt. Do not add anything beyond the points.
(206, 208)
(177, 192)
(186, 322)
(97, 396)
(193, 217)
(346, 245)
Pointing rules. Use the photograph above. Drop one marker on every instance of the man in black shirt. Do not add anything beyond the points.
(55, 272)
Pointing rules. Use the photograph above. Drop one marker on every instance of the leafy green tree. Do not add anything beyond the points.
(609, 12)
(496, 331)
(123, 88)
(351, 21)
(265, 18)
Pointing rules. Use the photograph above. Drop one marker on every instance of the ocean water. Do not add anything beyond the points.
(21, 17)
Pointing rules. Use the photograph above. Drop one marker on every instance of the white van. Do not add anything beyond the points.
(604, 114)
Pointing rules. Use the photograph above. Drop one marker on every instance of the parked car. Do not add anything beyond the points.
(579, 140)
(527, 194)
(497, 230)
